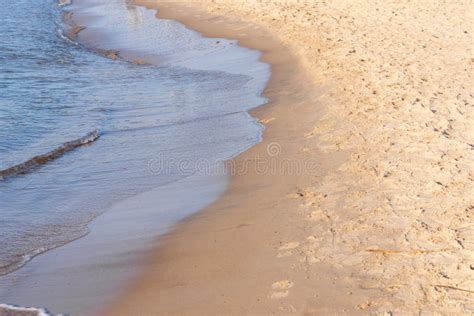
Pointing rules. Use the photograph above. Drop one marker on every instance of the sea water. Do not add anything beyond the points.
(84, 137)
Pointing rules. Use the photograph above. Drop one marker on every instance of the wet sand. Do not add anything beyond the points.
(377, 95)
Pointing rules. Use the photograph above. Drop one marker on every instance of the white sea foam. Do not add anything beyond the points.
(64, 37)
(39, 311)
(63, 3)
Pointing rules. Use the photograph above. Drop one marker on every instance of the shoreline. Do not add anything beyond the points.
(364, 231)
(343, 207)
(128, 260)
(200, 259)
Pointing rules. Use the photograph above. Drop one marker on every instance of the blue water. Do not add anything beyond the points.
(187, 104)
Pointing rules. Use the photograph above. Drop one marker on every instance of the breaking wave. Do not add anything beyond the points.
(39, 160)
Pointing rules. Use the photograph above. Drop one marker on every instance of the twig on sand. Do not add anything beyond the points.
(453, 288)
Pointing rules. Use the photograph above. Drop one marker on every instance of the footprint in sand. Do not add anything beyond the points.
(287, 249)
(317, 215)
(281, 289)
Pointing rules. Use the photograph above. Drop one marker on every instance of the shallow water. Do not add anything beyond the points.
(161, 123)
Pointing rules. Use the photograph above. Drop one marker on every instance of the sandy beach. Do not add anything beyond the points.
(358, 200)
(372, 102)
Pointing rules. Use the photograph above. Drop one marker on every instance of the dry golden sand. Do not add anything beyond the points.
(389, 228)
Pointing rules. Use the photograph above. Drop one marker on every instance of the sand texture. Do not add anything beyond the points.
(400, 100)
(390, 225)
